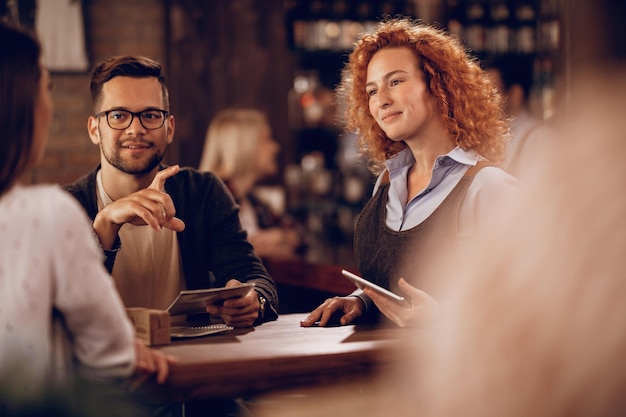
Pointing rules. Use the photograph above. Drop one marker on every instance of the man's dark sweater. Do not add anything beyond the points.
(213, 243)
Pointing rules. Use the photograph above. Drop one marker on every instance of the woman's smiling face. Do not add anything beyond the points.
(399, 99)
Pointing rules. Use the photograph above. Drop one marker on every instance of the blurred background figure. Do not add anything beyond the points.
(513, 75)
(239, 149)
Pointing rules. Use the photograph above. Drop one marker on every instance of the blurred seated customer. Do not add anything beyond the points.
(60, 315)
(239, 149)
(513, 75)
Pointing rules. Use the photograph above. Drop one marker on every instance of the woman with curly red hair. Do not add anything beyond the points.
(432, 125)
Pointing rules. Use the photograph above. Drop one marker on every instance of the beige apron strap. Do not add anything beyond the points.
(385, 179)
(479, 165)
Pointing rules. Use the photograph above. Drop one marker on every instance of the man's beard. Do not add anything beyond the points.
(115, 160)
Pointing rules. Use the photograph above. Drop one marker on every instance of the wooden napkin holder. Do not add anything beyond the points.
(151, 326)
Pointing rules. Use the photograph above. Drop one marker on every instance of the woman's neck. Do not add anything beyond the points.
(242, 186)
(425, 154)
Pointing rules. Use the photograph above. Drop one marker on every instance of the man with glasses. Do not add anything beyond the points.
(122, 119)
(193, 237)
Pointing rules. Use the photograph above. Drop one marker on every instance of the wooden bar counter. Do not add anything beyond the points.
(275, 356)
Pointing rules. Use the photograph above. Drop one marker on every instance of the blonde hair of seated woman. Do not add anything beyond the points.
(239, 148)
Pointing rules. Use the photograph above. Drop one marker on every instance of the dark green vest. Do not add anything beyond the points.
(384, 255)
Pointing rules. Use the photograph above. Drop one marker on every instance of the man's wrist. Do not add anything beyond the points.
(115, 247)
(106, 232)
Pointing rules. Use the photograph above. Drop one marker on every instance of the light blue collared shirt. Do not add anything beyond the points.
(489, 187)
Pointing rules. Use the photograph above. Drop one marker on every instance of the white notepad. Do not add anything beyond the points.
(191, 302)
(195, 331)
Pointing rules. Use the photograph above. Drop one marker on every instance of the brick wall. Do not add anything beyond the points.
(112, 27)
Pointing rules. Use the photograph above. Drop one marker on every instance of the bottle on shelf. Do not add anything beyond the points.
(549, 27)
(499, 30)
(526, 28)
(474, 32)
(456, 20)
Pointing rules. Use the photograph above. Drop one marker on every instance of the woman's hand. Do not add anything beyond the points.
(351, 307)
(150, 362)
(423, 310)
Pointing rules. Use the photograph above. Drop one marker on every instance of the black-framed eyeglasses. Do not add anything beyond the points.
(121, 119)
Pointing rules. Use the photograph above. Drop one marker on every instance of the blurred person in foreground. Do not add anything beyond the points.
(60, 315)
(239, 149)
(430, 121)
(538, 324)
(140, 207)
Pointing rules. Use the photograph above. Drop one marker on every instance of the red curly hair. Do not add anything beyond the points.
(469, 103)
